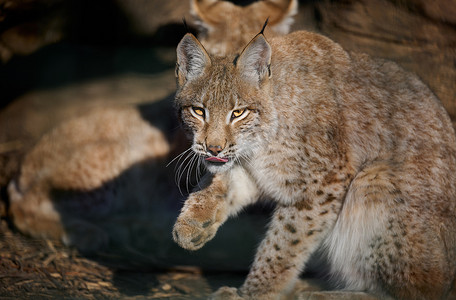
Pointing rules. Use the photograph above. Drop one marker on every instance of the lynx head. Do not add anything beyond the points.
(226, 28)
(225, 102)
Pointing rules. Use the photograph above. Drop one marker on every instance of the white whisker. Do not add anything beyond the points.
(189, 168)
(179, 156)
(198, 172)
(247, 159)
(179, 171)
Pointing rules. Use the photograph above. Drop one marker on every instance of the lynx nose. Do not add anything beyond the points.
(214, 150)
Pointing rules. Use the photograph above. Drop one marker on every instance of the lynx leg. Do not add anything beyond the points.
(385, 239)
(294, 234)
(204, 211)
(32, 214)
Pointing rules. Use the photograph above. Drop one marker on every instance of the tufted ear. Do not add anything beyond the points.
(192, 59)
(254, 61)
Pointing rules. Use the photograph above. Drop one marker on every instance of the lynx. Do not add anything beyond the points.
(87, 154)
(225, 28)
(73, 169)
(358, 155)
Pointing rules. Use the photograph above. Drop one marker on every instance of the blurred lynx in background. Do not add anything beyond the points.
(225, 28)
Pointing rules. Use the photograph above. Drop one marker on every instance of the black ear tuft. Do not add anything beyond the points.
(185, 25)
(264, 26)
(235, 60)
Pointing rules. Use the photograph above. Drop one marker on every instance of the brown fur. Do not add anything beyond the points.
(359, 156)
(226, 27)
(79, 172)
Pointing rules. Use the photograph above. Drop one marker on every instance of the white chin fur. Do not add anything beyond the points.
(218, 167)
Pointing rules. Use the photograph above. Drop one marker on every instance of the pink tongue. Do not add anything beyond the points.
(217, 159)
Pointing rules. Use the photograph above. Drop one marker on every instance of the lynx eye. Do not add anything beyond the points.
(198, 111)
(237, 113)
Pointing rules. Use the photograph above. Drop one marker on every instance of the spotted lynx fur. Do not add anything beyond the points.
(358, 155)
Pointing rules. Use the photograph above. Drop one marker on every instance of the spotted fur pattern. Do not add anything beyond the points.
(358, 155)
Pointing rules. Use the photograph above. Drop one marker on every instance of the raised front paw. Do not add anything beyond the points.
(226, 293)
(192, 234)
(202, 214)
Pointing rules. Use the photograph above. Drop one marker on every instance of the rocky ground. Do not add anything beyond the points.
(43, 269)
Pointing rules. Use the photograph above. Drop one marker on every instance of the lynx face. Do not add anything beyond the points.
(226, 121)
